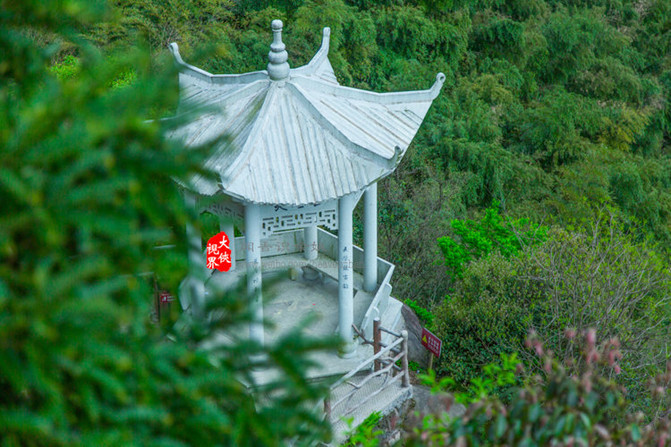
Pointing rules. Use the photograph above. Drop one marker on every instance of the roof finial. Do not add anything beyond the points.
(278, 68)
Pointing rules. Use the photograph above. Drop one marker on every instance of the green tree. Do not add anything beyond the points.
(476, 240)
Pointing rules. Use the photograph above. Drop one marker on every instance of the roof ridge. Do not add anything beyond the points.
(199, 73)
(359, 150)
(250, 89)
(254, 134)
(385, 98)
(318, 59)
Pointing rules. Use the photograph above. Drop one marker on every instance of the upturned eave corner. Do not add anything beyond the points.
(437, 85)
(174, 49)
(199, 73)
(184, 67)
(323, 51)
(318, 60)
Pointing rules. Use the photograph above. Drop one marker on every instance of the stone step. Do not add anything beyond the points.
(390, 398)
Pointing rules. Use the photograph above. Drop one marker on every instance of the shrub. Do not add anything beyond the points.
(497, 378)
(477, 239)
(488, 314)
(366, 434)
(598, 275)
(66, 69)
(423, 314)
(576, 404)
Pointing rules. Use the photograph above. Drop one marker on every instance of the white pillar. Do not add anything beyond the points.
(345, 275)
(310, 249)
(196, 286)
(253, 258)
(227, 227)
(370, 238)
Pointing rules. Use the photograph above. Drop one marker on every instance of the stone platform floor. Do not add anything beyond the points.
(289, 301)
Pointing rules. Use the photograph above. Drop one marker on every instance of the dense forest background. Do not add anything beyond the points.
(536, 195)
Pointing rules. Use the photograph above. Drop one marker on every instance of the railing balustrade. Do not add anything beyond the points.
(384, 366)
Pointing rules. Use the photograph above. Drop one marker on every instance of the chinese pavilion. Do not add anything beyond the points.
(301, 150)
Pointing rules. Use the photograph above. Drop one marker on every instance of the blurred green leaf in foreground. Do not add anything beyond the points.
(86, 193)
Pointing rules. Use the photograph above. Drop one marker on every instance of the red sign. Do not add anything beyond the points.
(219, 252)
(431, 342)
(165, 297)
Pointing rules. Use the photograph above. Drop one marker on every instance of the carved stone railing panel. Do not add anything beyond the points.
(225, 210)
(221, 207)
(275, 218)
(279, 218)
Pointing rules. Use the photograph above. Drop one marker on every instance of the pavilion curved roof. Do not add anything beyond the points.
(296, 136)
